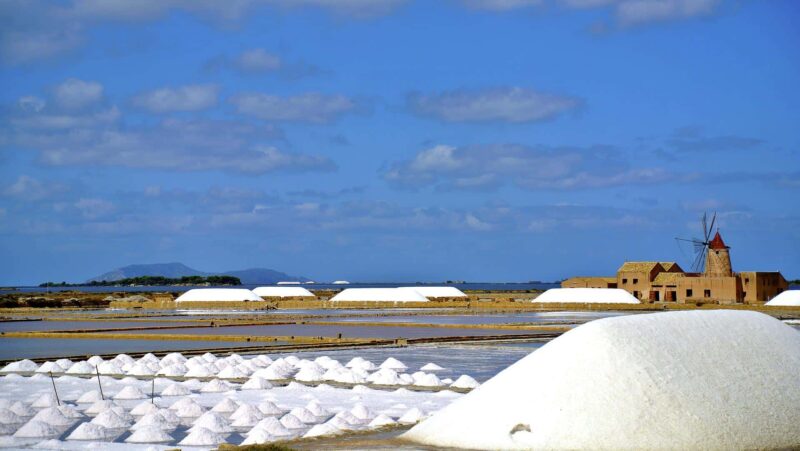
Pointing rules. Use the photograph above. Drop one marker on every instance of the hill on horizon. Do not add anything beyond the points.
(177, 270)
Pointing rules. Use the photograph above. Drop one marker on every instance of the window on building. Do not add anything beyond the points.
(688, 292)
(636, 294)
(635, 281)
(624, 281)
(746, 280)
(707, 293)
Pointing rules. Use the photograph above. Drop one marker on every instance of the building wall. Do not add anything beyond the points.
(760, 287)
(718, 263)
(589, 282)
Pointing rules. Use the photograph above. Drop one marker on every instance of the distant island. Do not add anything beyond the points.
(152, 281)
(176, 270)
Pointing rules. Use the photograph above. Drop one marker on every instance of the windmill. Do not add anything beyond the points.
(701, 245)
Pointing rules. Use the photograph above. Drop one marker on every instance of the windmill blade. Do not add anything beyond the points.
(713, 220)
(703, 260)
(705, 226)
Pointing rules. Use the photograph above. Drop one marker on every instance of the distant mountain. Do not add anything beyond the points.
(177, 270)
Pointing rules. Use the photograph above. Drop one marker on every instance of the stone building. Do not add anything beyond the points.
(668, 282)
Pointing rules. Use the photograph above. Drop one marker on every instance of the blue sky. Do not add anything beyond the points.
(369, 140)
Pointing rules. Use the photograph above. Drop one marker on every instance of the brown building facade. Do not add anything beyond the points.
(667, 282)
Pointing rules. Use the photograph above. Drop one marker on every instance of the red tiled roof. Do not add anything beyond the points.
(717, 243)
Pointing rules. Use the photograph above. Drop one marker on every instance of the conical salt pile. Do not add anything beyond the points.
(394, 364)
(216, 386)
(290, 421)
(130, 392)
(202, 437)
(274, 427)
(322, 430)
(144, 408)
(152, 419)
(175, 390)
(246, 416)
(37, 429)
(149, 434)
(82, 367)
(189, 410)
(304, 415)
(427, 380)
(22, 409)
(414, 415)
(465, 381)
(49, 367)
(227, 405)
(89, 431)
(100, 406)
(381, 421)
(89, 397)
(45, 400)
(362, 412)
(431, 367)
(270, 408)
(69, 412)
(316, 408)
(52, 415)
(21, 366)
(258, 436)
(256, 383)
(231, 372)
(9, 417)
(212, 421)
(111, 420)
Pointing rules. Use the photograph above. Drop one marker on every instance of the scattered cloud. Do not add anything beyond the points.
(182, 98)
(74, 94)
(310, 107)
(257, 60)
(637, 12)
(694, 139)
(93, 208)
(489, 166)
(508, 104)
(27, 188)
(501, 5)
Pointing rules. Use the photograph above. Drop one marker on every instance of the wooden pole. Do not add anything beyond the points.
(99, 384)
(54, 388)
(153, 392)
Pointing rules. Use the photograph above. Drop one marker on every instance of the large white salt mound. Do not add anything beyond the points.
(283, 292)
(677, 380)
(394, 364)
(788, 298)
(437, 292)
(130, 392)
(89, 397)
(379, 295)
(258, 437)
(82, 367)
(465, 381)
(212, 421)
(175, 390)
(587, 296)
(54, 416)
(256, 383)
(218, 294)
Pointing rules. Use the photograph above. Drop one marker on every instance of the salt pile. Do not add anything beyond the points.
(362, 412)
(269, 408)
(290, 421)
(304, 415)
(385, 376)
(82, 367)
(130, 392)
(47, 367)
(89, 397)
(20, 366)
(259, 436)
(213, 422)
(216, 386)
(150, 434)
(9, 417)
(45, 400)
(202, 437)
(322, 430)
(175, 390)
(52, 415)
(394, 364)
(227, 405)
(413, 415)
(431, 367)
(381, 421)
(256, 383)
(153, 419)
(678, 380)
(37, 429)
(89, 431)
(273, 426)
(111, 420)
(69, 412)
(246, 416)
(465, 381)
(587, 295)
(187, 408)
(144, 408)
(99, 406)
(788, 298)
(316, 408)
(426, 380)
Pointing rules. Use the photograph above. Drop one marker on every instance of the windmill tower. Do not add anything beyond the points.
(712, 256)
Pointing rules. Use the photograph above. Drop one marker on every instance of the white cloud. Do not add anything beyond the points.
(31, 104)
(635, 12)
(257, 60)
(182, 98)
(510, 104)
(93, 208)
(311, 107)
(27, 188)
(481, 167)
(76, 94)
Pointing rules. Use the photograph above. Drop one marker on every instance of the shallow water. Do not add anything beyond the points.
(16, 326)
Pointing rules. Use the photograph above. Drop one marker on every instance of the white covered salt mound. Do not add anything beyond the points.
(256, 383)
(379, 295)
(37, 429)
(218, 294)
(202, 437)
(465, 381)
(20, 366)
(678, 380)
(587, 296)
(130, 392)
(431, 367)
(175, 390)
(788, 298)
(89, 431)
